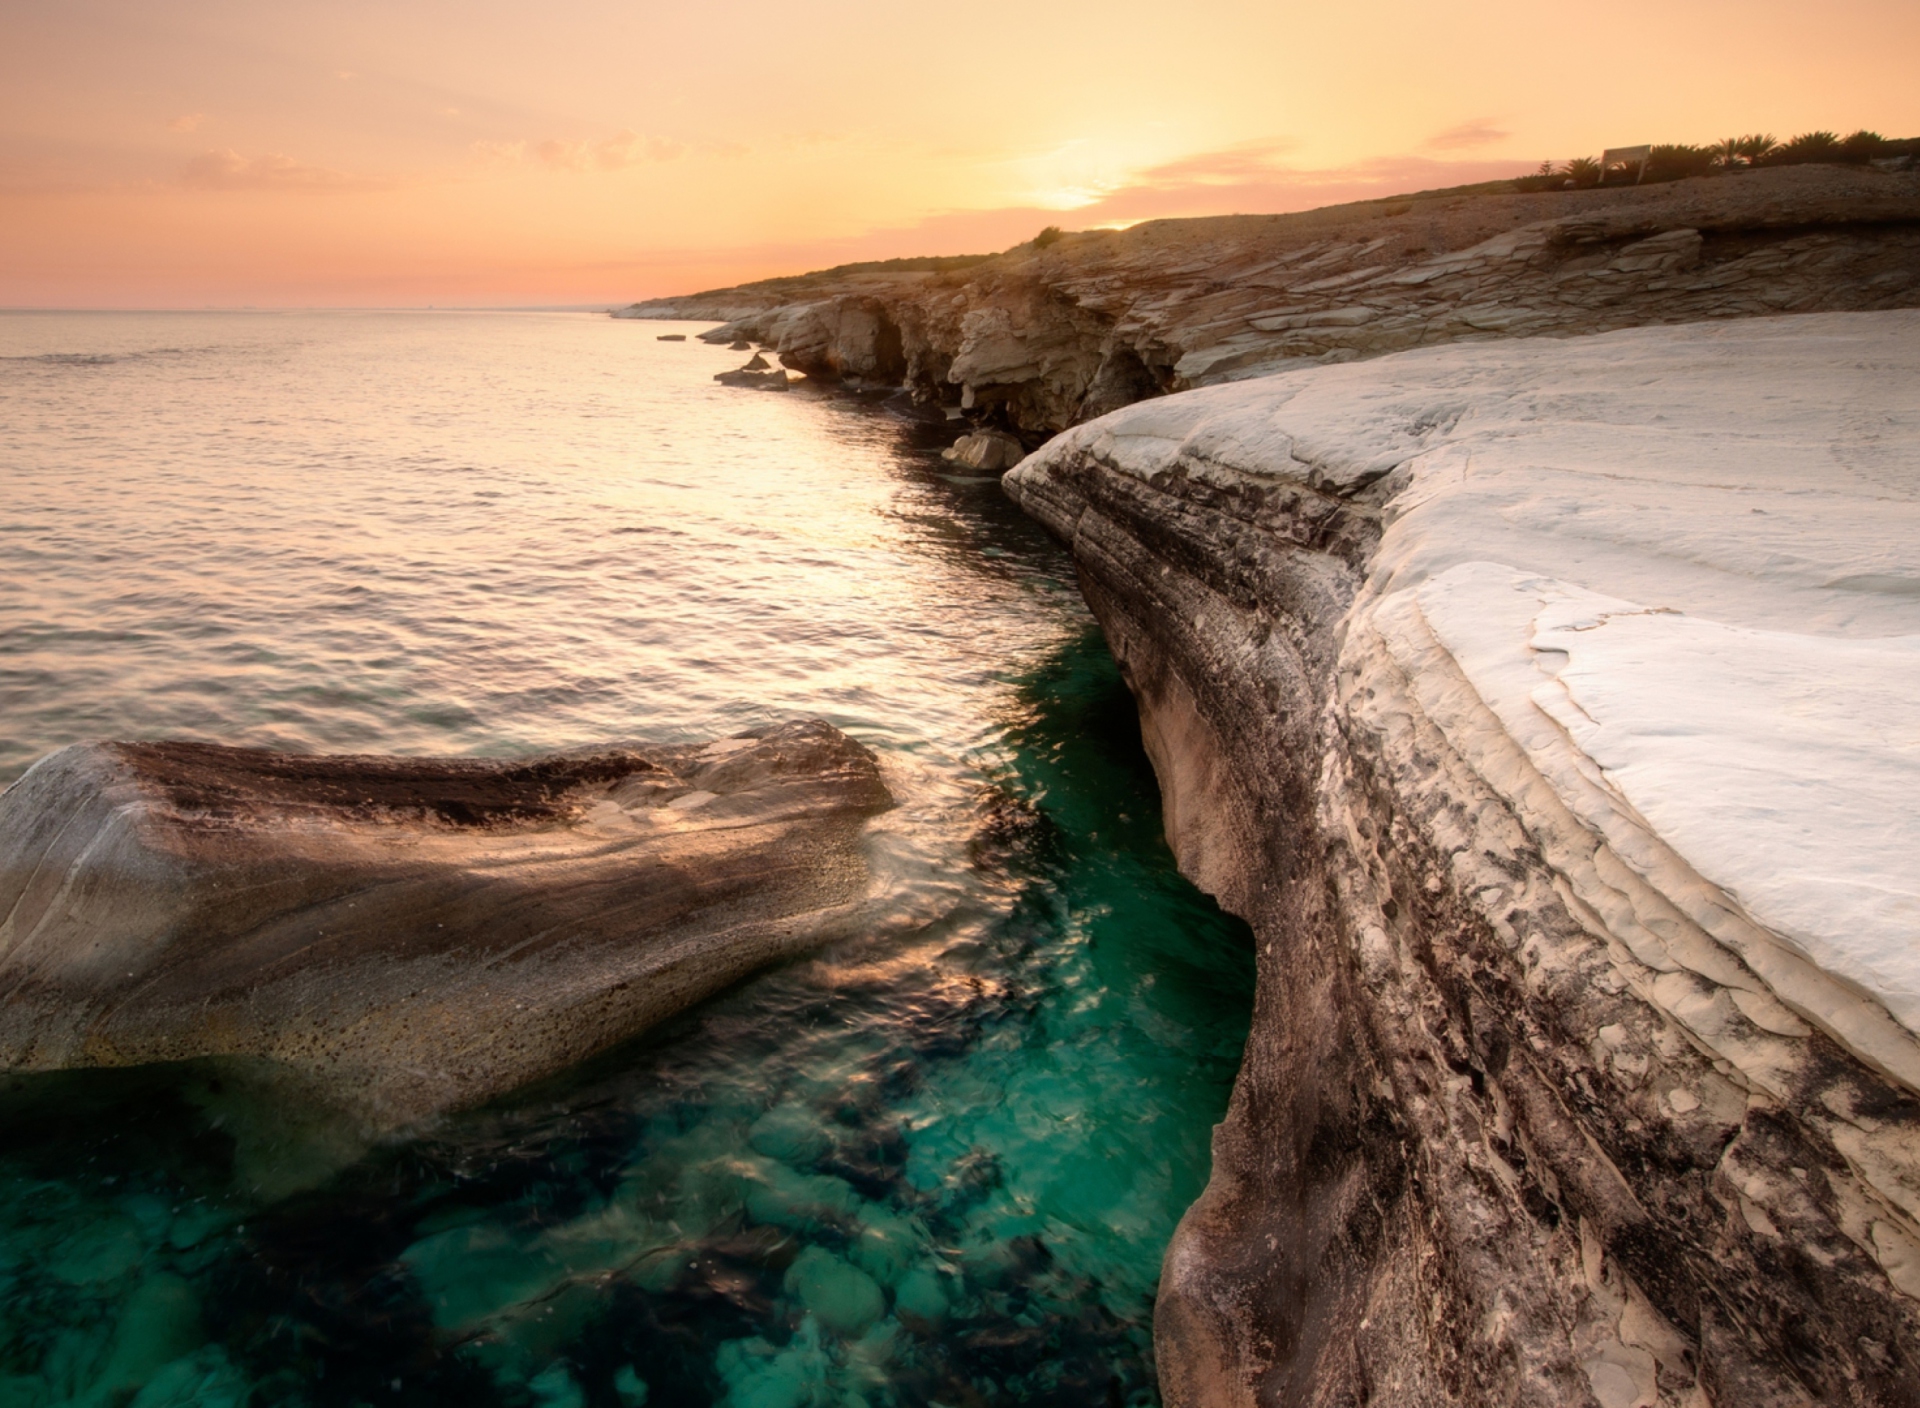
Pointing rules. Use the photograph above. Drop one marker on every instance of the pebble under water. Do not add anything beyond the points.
(935, 1165)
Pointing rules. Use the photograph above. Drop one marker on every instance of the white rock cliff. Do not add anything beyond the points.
(1551, 708)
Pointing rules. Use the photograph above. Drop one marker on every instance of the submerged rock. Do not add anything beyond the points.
(671, 337)
(844, 1297)
(989, 450)
(1548, 707)
(405, 936)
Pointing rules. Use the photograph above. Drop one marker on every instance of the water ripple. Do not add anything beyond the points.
(936, 1164)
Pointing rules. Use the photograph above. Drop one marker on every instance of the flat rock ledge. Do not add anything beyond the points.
(407, 936)
(1551, 709)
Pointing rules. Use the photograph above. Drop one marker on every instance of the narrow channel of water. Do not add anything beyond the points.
(938, 1164)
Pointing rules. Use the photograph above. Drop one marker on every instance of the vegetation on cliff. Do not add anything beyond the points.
(1677, 161)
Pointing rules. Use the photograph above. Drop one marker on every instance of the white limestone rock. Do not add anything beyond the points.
(1551, 709)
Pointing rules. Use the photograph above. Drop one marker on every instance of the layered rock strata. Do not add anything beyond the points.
(1549, 709)
(403, 936)
(1041, 338)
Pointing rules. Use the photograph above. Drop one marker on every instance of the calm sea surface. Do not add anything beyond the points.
(937, 1165)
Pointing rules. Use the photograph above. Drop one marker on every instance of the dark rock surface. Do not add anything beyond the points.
(1041, 338)
(760, 378)
(405, 936)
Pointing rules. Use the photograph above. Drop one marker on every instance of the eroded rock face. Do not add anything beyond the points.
(409, 935)
(1044, 338)
(1544, 705)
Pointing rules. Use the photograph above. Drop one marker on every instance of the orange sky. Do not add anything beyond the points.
(213, 152)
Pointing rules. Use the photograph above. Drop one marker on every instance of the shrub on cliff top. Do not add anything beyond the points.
(1863, 146)
(1677, 161)
(1541, 180)
(1581, 172)
(1051, 235)
(1749, 150)
(1808, 146)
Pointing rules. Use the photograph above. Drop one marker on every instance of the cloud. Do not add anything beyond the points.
(617, 152)
(1242, 180)
(229, 171)
(1246, 181)
(186, 122)
(1478, 133)
(1234, 166)
(498, 153)
(614, 153)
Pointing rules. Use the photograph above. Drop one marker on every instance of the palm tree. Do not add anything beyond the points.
(1811, 146)
(1672, 161)
(1861, 145)
(1755, 147)
(1582, 171)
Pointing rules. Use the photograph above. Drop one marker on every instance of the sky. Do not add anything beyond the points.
(195, 153)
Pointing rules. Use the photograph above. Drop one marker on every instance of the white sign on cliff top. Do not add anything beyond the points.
(1624, 157)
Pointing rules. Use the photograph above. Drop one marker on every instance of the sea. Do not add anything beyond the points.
(935, 1164)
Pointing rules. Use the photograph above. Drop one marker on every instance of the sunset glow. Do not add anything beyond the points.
(214, 153)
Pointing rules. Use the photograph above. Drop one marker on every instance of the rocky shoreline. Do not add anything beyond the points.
(1558, 1091)
(1549, 1099)
(1040, 338)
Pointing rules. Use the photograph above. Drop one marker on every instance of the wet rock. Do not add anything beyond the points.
(920, 1301)
(775, 379)
(671, 337)
(790, 1133)
(741, 345)
(843, 1298)
(629, 1387)
(990, 450)
(846, 335)
(403, 936)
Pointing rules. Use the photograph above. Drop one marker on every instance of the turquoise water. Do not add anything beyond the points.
(939, 1164)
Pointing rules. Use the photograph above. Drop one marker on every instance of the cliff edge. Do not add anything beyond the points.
(1547, 706)
(1042, 337)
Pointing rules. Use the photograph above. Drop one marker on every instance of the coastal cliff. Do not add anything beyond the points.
(1546, 706)
(1045, 336)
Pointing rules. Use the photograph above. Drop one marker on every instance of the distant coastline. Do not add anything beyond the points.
(1055, 332)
